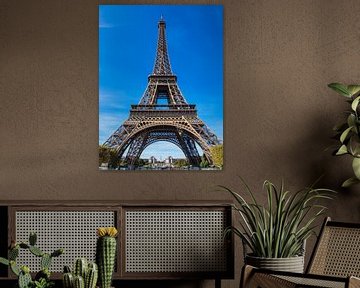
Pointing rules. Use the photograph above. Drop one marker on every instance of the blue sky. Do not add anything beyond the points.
(127, 48)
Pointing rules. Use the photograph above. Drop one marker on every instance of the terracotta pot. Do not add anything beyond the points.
(291, 264)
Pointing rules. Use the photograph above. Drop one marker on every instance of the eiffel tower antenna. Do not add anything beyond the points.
(176, 122)
(162, 63)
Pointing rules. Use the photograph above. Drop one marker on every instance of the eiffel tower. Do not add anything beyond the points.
(176, 122)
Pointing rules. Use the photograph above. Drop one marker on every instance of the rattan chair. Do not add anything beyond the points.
(334, 263)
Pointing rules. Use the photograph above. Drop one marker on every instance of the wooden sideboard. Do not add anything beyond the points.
(157, 240)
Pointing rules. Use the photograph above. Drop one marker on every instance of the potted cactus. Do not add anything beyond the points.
(42, 278)
(106, 254)
(85, 275)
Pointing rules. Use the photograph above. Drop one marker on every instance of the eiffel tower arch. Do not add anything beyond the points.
(149, 122)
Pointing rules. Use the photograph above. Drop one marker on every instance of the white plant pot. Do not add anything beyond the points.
(291, 264)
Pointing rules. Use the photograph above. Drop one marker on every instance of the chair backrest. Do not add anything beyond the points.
(337, 251)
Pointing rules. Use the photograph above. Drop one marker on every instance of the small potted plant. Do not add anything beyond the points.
(348, 132)
(275, 233)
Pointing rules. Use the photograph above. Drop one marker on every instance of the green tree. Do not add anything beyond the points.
(217, 155)
(181, 163)
(114, 160)
(104, 154)
(109, 156)
(140, 162)
(204, 163)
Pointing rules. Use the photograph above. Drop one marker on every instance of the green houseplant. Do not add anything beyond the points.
(275, 233)
(348, 132)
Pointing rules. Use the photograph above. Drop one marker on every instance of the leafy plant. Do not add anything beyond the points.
(109, 156)
(348, 132)
(104, 154)
(217, 155)
(181, 163)
(204, 162)
(279, 229)
(43, 283)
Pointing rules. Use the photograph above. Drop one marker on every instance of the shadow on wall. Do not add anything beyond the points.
(335, 170)
(332, 170)
(303, 157)
(309, 154)
(314, 150)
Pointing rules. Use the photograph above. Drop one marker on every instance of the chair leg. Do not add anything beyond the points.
(246, 273)
(250, 278)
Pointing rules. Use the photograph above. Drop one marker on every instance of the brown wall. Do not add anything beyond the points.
(279, 57)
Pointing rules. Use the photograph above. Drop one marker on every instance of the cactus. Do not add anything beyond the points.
(79, 282)
(42, 278)
(45, 261)
(80, 268)
(105, 254)
(13, 253)
(88, 273)
(67, 269)
(57, 253)
(25, 269)
(36, 251)
(24, 280)
(4, 261)
(68, 280)
(24, 245)
(14, 268)
(32, 238)
(91, 276)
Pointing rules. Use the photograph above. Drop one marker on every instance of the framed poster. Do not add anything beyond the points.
(160, 87)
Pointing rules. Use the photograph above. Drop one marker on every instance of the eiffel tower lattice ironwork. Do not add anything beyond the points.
(176, 122)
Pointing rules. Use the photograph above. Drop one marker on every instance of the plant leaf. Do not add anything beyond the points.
(14, 268)
(356, 167)
(345, 134)
(349, 182)
(353, 89)
(354, 144)
(342, 150)
(4, 261)
(351, 120)
(355, 103)
(340, 88)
